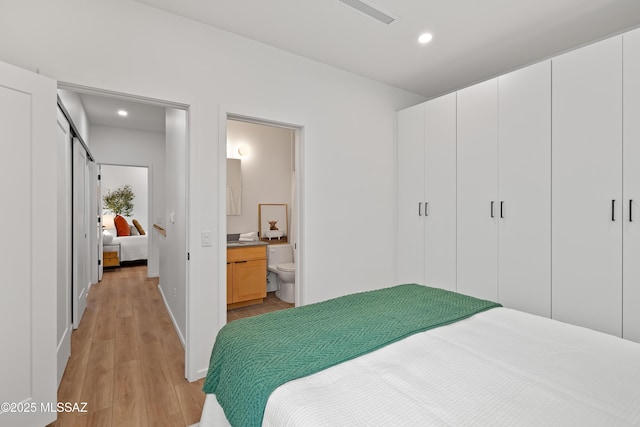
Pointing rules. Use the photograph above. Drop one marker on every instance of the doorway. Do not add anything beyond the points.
(269, 154)
(125, 130)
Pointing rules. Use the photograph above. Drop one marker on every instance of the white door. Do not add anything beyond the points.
(524, 231)
(586, 187)
(28, 184)
(478, 211)
(440, 192)
(64, 288)
(410, 208)
(631, 187)
(100, 225)
(81, 248)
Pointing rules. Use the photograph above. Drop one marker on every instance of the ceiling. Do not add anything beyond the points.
(103, 111)
(472, 40)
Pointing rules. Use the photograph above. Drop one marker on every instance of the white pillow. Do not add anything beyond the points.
(133, 231)
(107, 237)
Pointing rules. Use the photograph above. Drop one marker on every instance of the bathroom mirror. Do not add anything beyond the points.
(274, 226)
(234, 187)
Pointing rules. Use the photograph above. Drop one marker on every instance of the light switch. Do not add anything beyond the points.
(207, 237)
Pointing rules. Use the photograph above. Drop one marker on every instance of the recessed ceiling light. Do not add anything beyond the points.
(425, 38)
(123, 113)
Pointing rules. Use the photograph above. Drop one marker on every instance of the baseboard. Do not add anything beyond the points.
(173, 319)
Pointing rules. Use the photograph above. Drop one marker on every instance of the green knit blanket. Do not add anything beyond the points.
(253, 356)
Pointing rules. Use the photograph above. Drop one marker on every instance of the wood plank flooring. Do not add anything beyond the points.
(127, 361)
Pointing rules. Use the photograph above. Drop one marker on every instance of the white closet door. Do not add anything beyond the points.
(64, 284)
(587, 191)
(477, 190)
(524, 233)
(410, 204)
(28, 184)
(631, 187)
(81, 249)
(440, 192)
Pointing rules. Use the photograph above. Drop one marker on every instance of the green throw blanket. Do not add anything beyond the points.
(254, 356)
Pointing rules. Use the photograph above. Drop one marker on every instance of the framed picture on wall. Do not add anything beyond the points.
(273, 222)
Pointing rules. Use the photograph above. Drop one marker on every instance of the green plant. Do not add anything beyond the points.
(119, 201)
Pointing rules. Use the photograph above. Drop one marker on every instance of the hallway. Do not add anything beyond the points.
(126, 361)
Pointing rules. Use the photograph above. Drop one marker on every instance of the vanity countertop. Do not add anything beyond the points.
(238, 244)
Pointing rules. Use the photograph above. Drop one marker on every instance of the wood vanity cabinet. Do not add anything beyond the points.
(246, 275)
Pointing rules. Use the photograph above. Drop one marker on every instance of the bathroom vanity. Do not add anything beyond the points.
(246, 274)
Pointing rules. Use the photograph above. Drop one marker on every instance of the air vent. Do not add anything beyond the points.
(369, 10)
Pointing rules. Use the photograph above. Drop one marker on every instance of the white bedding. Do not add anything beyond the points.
(500, 367)
(132, 248)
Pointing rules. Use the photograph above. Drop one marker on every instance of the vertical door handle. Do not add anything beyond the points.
(419, 208)
(492, 209)
(426, 208)
(501, 209)
(630, 210)
(613, 210)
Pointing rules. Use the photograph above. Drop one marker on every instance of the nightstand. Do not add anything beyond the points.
(111, 255)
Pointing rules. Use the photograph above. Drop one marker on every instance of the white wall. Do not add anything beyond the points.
(73, 105)
(115, 177)
(173, 247)
(266, 169)
(349, 130)
(119, 146)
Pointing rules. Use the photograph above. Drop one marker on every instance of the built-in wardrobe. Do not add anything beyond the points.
(523, 189)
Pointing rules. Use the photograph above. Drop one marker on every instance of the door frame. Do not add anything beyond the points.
(298, 220)
(189, 347)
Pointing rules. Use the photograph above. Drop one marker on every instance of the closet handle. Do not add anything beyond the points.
(630, 210)
(426, 207)
(501, 209)
(419, 208)
(613, 210)
(492, 209)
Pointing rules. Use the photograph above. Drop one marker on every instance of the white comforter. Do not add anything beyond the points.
(498, 368)
(132, 248)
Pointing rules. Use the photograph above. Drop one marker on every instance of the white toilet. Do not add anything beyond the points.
(281, 264)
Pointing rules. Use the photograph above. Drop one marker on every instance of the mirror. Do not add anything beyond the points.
(272, 219)
(234, 187)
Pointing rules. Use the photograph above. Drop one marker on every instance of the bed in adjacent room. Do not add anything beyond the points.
(413, 355)
(132, 248)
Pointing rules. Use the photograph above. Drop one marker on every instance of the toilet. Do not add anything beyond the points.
(281, 266)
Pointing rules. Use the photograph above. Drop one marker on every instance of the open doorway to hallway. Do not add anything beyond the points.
(123, 131)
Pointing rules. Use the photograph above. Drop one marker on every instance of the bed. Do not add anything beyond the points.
(485, 366)
(132, 248)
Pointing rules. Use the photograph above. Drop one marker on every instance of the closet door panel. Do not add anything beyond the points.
(410, 202)
(440, 190)
(587, 193)
(524, 232)
(631, 187)
(477, 159)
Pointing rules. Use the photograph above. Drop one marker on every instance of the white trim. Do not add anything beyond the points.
(173, 320)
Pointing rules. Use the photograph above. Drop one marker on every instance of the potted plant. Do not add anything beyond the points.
(119, 201)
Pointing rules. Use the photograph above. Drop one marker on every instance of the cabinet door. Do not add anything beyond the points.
(524, 153)
(587, 190)
(477, 190)
(631, 187)
(410, 203)
(249, 280)
(440, 192)
(229, 282)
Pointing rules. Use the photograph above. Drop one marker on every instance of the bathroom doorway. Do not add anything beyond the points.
(263, 167)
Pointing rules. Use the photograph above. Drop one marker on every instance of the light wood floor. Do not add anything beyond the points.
(127, 362)
(270, 303)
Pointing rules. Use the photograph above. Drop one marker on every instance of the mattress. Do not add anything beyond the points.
(499, 367)
(132, 248)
